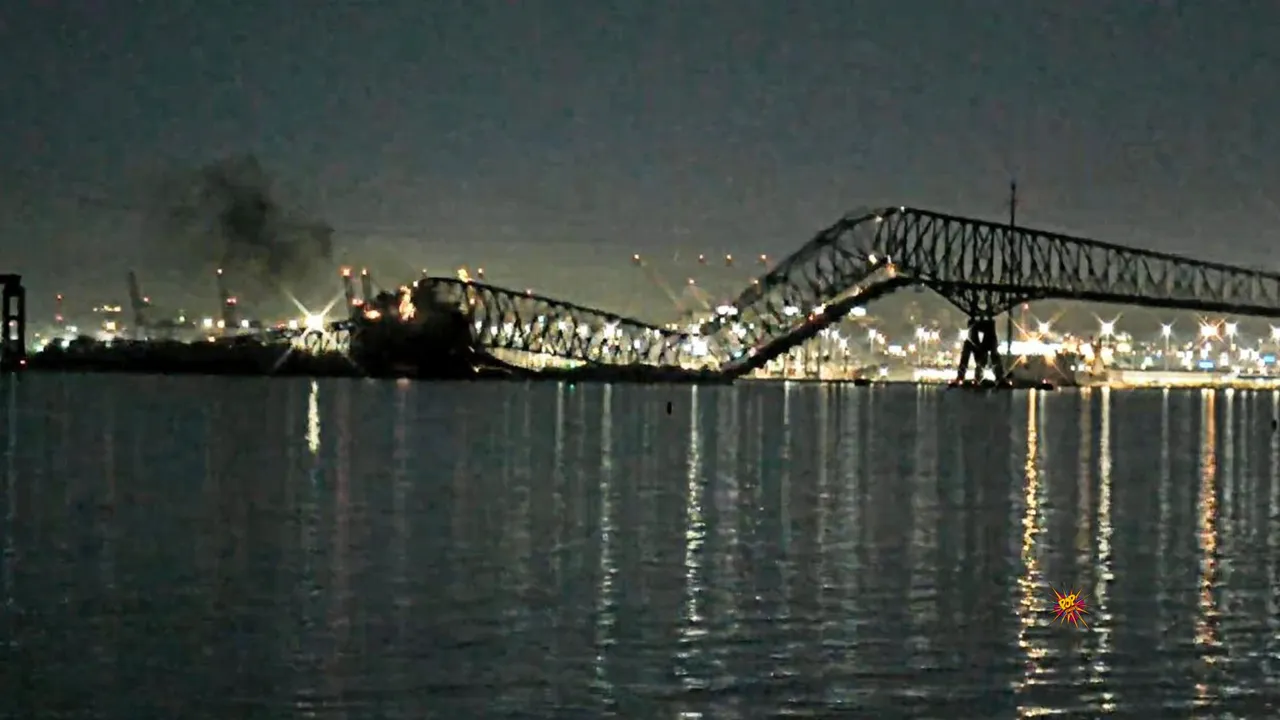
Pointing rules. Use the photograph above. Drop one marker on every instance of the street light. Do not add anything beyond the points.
(1044, 328)
(1167, 332)
(1208, 331)
(1108, 328)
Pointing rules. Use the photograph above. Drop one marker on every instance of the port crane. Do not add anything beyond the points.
(363, 301)
(676, 298)
(694, 304)
(369, 303)
(366, 286)
(139, 305)
(145, 323)
(229, 316)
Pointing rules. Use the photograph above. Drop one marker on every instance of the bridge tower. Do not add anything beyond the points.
(13, 319)
(982, 342)
(982, 347)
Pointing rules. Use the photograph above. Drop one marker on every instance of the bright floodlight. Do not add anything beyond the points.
(1044, 328)
(1166, 330)
(1231, 329)
(859, 311)
(1108, 328)
(1208, 330)
(314, 322)
(1275, 333)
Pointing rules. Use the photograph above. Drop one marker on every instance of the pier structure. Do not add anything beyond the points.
(13, 319)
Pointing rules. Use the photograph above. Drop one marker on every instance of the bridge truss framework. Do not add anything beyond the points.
(983, 268)
(528, 323)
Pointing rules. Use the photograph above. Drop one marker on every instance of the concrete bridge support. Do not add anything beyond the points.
(982, 347)
(13, 320)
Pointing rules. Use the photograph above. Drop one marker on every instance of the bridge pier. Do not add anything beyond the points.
(982, 347)
(13, 320)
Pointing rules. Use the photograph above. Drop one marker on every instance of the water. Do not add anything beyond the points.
(246, 548)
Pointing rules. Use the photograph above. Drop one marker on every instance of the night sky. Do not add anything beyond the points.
(547, 141)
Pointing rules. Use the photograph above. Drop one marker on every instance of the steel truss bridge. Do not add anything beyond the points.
(527, 323)
(983, 268)
(515, 323)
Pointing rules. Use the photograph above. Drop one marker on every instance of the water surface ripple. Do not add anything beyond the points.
(247, 548)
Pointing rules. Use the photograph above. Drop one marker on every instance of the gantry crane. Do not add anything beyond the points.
(229, 305)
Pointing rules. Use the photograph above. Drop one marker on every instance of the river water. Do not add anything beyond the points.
(220, 548)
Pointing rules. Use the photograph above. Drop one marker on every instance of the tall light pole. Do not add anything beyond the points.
(1167, 332)
(1013, 255)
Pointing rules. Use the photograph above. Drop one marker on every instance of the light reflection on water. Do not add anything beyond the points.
(397, 550)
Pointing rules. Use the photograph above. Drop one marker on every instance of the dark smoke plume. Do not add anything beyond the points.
(225, 214)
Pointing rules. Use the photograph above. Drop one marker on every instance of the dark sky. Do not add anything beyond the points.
(548, 140)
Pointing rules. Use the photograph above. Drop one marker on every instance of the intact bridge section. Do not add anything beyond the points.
(983, 268)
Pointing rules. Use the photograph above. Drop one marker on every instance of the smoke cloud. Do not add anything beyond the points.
(226, 214)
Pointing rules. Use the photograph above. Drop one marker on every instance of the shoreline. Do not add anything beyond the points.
(346, 369)
(273, 361)
(468, 364)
